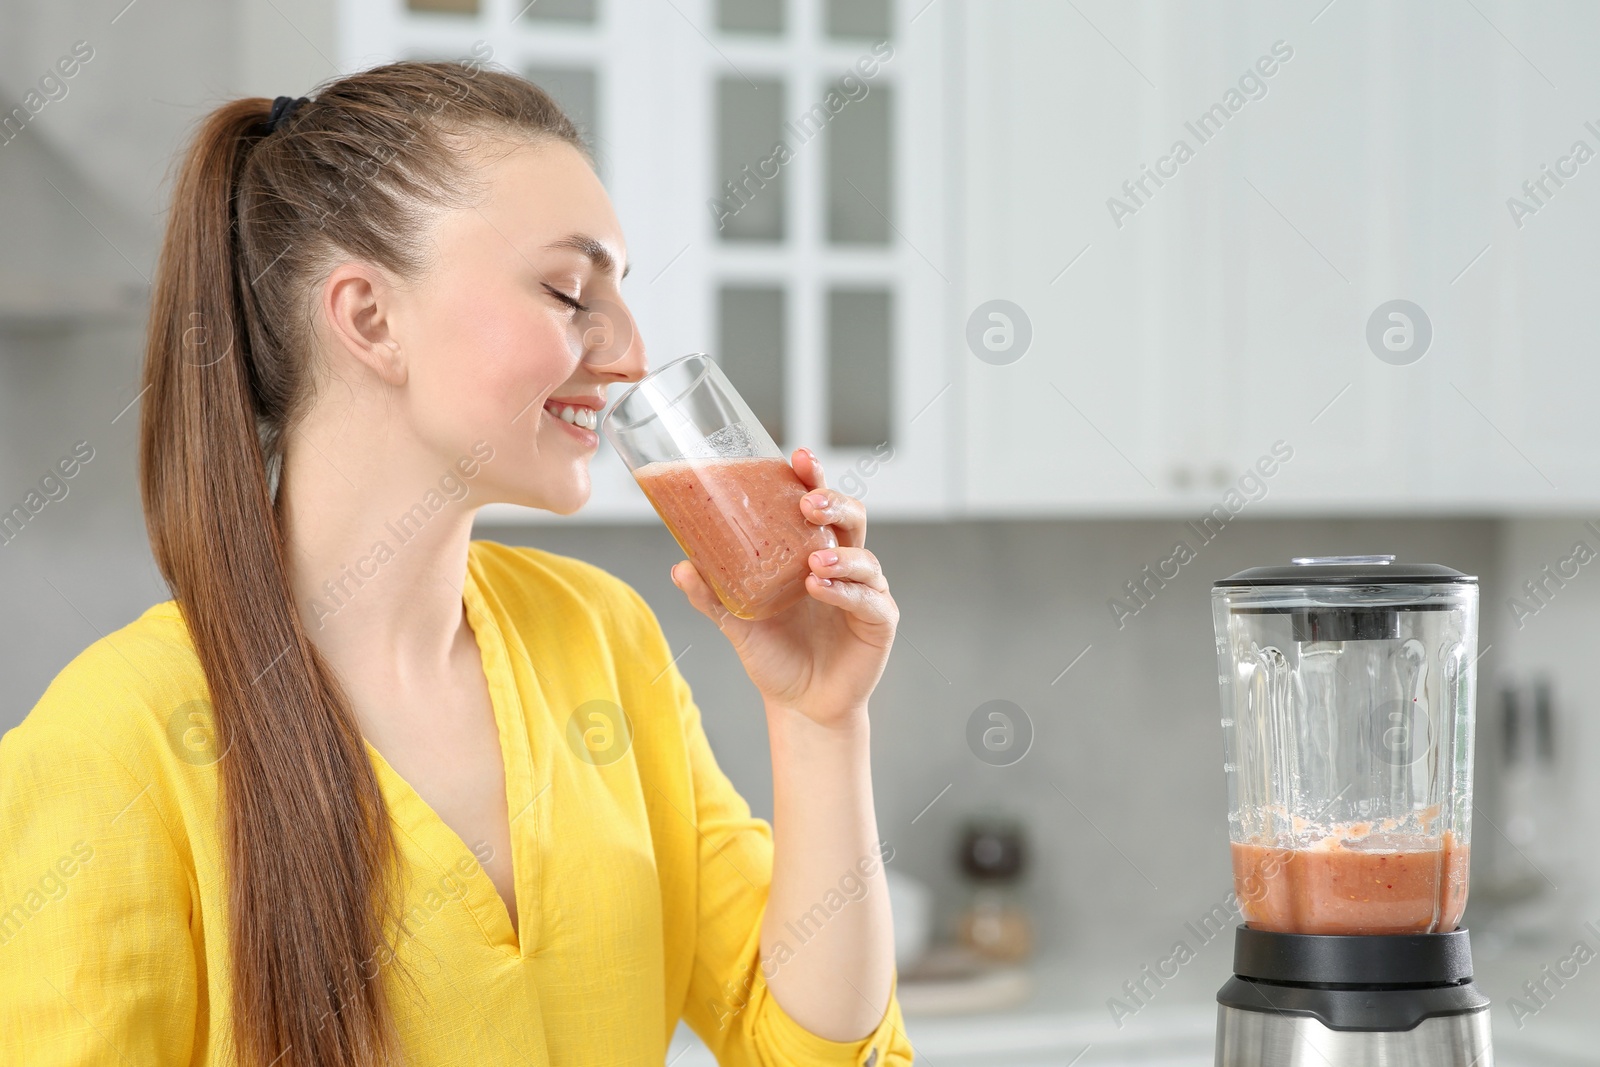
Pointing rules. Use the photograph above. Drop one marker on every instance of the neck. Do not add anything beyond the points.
(377, 550)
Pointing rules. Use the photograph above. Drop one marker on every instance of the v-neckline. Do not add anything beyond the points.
(435, 839)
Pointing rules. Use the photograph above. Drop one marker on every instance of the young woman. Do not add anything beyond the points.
(336, 802)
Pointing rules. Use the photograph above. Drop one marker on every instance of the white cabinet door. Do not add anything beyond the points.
(1204, 317)
(1241, 290)
(1058, 372)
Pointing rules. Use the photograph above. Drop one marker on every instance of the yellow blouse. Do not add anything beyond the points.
(641, 876)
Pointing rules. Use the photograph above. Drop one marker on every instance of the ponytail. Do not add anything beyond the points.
(307, 840)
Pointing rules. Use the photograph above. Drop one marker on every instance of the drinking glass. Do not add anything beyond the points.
(719, 482)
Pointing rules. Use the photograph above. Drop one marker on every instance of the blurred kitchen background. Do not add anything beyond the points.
(1044, 345)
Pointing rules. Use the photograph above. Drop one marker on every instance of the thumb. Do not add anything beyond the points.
(687, 577)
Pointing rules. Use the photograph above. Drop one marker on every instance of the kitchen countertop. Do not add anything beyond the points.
(1068, 1016)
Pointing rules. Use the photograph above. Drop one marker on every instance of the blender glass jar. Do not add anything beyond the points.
(1348, 688)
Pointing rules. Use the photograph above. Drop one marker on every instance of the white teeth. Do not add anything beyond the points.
(588, 418)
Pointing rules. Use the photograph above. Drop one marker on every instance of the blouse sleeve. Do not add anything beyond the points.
(729, 1005)
(97, 965)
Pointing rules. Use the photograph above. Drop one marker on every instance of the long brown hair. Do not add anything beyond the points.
(257, 218)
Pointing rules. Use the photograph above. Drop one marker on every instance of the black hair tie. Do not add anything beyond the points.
(282, 108)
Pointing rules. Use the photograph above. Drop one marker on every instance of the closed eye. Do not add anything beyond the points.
(565, 299)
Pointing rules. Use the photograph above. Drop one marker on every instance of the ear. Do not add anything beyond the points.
(358, 306)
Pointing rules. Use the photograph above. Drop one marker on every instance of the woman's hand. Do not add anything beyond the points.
(823, 656)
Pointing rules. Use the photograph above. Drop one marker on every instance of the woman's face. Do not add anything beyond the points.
(491, 339)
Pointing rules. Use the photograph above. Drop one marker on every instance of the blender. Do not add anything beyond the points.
(1347, 718)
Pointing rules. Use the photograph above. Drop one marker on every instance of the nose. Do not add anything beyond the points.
(614, 348)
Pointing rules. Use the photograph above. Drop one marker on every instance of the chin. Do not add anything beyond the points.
(566, 501)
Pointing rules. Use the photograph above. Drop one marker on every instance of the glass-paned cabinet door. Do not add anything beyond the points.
(823, 108)
(749, 122)
(546, 11)
(860, 173)
(860, 347)
(749, 16)
(751, 336)
(778, 168)
(866, 19)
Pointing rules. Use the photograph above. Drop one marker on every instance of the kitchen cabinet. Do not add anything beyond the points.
(1181, 325)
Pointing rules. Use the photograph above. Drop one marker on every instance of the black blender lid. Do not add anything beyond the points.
(1346, 570)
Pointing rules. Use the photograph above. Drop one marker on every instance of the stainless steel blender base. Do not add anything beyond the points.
(1263, 1039)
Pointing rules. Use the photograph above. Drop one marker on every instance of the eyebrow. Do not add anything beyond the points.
(589, 246)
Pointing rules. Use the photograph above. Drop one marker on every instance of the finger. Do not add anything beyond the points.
(848, 516)
(850, 565)
(863, 601)
(808, 467)
(686, 577)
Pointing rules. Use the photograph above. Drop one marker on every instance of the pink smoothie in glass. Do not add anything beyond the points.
(739, 522)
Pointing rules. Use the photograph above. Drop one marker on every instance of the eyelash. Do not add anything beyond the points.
(565, 299)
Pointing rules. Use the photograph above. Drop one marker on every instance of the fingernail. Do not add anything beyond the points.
(824, 581)
(825, 558)
(818, 500)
